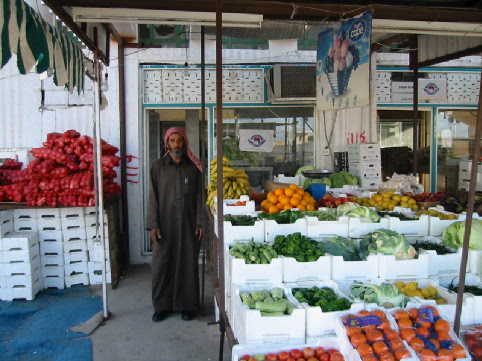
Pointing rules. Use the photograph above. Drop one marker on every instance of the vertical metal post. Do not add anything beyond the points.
(203, 159)
(468, 221)
(414, 66)
(99, 194)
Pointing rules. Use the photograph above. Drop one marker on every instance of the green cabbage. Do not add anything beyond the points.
(387, 242)
(386, 295)
(453, 235)
(352, 209)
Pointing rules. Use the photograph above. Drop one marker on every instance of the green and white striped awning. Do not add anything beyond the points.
(38, 45)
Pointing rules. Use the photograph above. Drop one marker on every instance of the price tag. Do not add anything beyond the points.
(425, 314)
(370, 320)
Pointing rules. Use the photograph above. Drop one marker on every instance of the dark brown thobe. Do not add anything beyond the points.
(174, 207)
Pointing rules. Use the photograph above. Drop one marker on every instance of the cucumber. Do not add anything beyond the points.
(271, 314)
(271, 306)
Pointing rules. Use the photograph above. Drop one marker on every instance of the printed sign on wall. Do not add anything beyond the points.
(432, 89)
(256, 140)
(343, 64)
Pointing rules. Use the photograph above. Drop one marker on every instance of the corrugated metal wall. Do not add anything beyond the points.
(433, 46)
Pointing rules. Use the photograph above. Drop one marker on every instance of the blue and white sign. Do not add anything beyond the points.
(256, 140)
(343, 64)
(432, 89)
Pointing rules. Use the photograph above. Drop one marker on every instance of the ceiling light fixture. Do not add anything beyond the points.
(142, 16)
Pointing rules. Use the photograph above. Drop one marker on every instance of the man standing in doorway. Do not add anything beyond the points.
(174, 224)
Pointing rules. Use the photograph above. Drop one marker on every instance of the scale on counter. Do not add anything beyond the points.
(316, 173)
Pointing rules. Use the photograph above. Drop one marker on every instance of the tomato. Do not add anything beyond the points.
(296, 354)
(336, 356)
(331, 351)
(283, 355)
(312, 359)
(477, 352)
(471, 341)
(271, 357)
(253, 359)
(245, 357)
(308, 352)
(301, 359)
(324, 357)
(291, 359)
(319, 351)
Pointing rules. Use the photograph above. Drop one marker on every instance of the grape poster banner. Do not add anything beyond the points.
(343, 64)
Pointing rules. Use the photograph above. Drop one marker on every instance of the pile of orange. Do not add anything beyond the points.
(286, 198)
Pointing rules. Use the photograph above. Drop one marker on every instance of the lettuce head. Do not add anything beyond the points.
(453, 235)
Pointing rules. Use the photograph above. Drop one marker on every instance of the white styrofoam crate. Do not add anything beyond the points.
(50, 236)
(465, 166)
(367, 152)
(417, 227)
(74, 257)
(54, 282)
(22, 280)
(26, 268)
(319, 323)
(53, 271)
(6, 215)
(89, 210)
(358, 228)
(20, 240)
(21, 255)
(465, 185)
(74, 234)
(6, 227)
(25, 213)
(248, 349)
(281, 178)
(73, 222)
(294, 271)
(77, 279)
(370, 183)
(91, 232)
(95, 252)
(3, 282)
(436, 226)
(52, 260)
(1, 254)
(3, 294)
(316, 228)
(51, 248)
(25, 224)
(75, 246)
(273, 229)
(48, 213)
(49, 223)
(71, 212)
(256, 329)
(241, 233)
(366, 170)
(389, 267)
(75, 268)
(475, 262)
(465, 177)
(91, 220)
(96, 267)
(236, 210)
(96, 278)
(354, 270)
(27, 293)
(96, 244)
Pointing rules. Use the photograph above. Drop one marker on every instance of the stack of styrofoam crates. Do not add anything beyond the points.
(49, 226)
(25, 219)
(365, 163)
(75, 246)
(20, 268)
(465, 172)
(94, 246)
(6, 227)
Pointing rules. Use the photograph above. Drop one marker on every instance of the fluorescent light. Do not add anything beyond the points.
(426, 27)
(141, 16)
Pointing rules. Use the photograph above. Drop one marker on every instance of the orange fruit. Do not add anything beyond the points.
(300, 191)
(374, 335)
(263, 203)
(304, 202)
(413, 313)
(267, 205)
(427, 355)
(458, 351)
(273, 209)
(426, 324)
(385, 325)
(396, 343)
(407, 334)
(445, 355)
(434, 310)
(294, 201)
(283, 199)
(405, 323)
(287, 206)
(280, 206)
(369, 358)
(401, 353)
(350, 331)
(417, 344)
(310, 207)
(380, 314)
(273, 199)
(279, 191)
(301, 207)
(399, 314)
(386, 356)
(442, 325)
(289, 192)
(270, 193)
(293, 187)
(296, 195)
(306, 197)
(379, 347)
(357, 339)
(443, 336)
(362, 313)
(422, 331)
(365, 349)
(390, 334)
(435, 342)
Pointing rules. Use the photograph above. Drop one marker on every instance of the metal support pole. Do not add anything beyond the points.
(99, 194)
(468, 221)
(203, 159)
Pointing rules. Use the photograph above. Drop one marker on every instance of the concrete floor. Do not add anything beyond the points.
(130, 335)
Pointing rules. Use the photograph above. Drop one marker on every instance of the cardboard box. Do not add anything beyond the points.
(363, 152)
(271, 186)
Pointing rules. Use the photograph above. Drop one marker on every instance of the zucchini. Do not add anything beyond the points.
(271, 314)
(271, 306)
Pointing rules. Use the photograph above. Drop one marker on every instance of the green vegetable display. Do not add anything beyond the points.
(241, 220)
(352, 209)
(341, 246)
(338, 180)
(475, 290)
(398, 215)
(328, 215)
(302, 248)
(270, 303)
(453, 235)
(253, 252)
(323, 297)
(431, 246)
(387, 242)
(284, 217)
(386, 295)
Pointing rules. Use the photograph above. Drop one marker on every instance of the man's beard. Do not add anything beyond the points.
(178, 152)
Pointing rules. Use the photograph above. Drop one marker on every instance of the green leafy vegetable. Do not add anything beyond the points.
(242, 220)
(302, 248)
(323, 297)
(284, 217)
(453, 235)
(341, 246)
(386, 295)
(398, 215)
(431, 246)
(253, 252)
(352, 209)
(475, 290)
(328, 215)
(387, 242)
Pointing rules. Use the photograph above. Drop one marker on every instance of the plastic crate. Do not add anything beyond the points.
(363, 152)
(273, 229)
(95, 278)
(294, 271)
(24, 213)
(74, 234)
(53, 271)
(475, 262)
(91, 220)
(316, 228)
(354, 270)
(73, 222)
(390, 268)
(6, 215)
(75, 268)
(95, 267)
(417, 227)
(358, 228)
(95, 252)
(91, 232)
(255, 329)
(319, 323)
(23, 280)
(436, 225)
(72, 212)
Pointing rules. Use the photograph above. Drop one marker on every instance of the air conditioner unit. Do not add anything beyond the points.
(288, 82)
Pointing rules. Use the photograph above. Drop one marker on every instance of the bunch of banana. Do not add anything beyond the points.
(235, 182)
